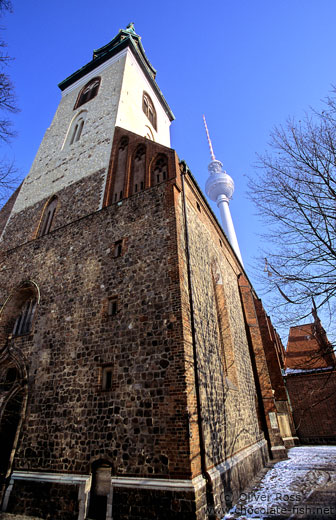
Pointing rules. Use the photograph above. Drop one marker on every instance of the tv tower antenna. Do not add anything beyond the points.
(220, 187)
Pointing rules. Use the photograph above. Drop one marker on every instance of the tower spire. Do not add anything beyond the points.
(213, 158)
(220, 187)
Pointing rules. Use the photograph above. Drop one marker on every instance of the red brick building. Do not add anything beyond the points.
(311, 382)
(135, 354)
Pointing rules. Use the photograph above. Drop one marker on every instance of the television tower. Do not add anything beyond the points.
(220, 187)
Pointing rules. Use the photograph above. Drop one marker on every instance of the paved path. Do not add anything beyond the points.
(301, 487)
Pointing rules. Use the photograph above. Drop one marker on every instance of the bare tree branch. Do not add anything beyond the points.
(295, 194)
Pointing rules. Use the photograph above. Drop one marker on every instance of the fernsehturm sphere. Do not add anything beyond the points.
(220, 187)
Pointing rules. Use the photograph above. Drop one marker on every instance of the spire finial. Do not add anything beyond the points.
(130, 28)
(213, 158)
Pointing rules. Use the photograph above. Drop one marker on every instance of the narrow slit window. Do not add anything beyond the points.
(48, 216)
(118, 248)
(113, 306)
(107, 378)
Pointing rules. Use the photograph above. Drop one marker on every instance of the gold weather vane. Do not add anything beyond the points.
(213, 158)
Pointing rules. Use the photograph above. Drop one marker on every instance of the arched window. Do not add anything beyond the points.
(119, 175)
(138, 170)
(88, 92)
(76, 129)
(159, 171)
(18, 312)
(48, 216)
(24, 319)
(149, 109)
(149, 133)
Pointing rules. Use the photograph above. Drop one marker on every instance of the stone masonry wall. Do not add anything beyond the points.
(140, 425)
(74, 202)
(58, 165)
(229, 415)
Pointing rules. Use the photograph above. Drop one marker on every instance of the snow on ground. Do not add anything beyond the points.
(292, 487)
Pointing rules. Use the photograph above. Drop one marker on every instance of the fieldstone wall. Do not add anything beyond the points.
(74, 202)
(145, 424)
(55, 501)
(226, 382)
(58, 165)
(140, 424)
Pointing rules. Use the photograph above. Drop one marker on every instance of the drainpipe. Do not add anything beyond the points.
(205, 474)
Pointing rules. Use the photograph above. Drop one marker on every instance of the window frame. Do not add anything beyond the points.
(47, 217)
(24, 320)
(88, 92)
(149, 110)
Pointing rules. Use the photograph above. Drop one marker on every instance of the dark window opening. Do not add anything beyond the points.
(107, 378)
(142, 185)
(10, 378)
(149, 109)
(121, 195)
(135, 188)
(88, 92)
(118, 248)
(112, 306)
(198, 207)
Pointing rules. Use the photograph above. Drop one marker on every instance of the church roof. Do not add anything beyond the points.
(125, 38)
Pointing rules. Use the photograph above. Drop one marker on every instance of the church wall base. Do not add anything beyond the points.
(231, 477)
(44, 500)
(66, 497)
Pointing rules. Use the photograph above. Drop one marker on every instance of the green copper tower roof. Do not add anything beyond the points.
(125, 38)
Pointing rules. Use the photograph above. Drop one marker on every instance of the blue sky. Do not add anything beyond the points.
(247, 65)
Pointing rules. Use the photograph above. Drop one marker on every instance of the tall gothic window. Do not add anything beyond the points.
(149, 109)
(24, 319)
(119, 174)
(138, 170)
(88, 92)
(48, 216)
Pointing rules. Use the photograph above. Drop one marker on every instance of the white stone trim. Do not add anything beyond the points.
(159, 483)
(236, 459)
(65, 478)
(125, 482)
(95, 72)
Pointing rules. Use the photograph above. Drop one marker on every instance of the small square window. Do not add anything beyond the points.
(107, 378)
(112, 306)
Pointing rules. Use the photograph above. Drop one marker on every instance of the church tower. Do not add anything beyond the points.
(117, 88)
(127, 383)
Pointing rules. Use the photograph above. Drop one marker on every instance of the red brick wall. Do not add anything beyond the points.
(313, 399)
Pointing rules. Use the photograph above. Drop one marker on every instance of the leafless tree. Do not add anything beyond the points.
(295, 193)
(7, 107)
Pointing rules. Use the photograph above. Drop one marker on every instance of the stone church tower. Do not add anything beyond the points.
(134, 353)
